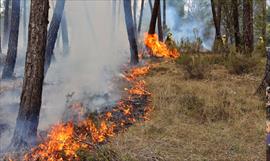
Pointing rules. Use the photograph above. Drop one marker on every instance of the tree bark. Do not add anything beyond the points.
(65, 38)
(237, 36)
(266, 79)
(216, 11)
(24, 22)
(141, 16)
(160, 28)
(13, 41)
(164, 15)
(154, 16)
(135, 14)
(53, 32)
(216, 17)
(150, 5)
(28, 117)
(131, 32)
(264, 20)
(6, 23)
(248, 26)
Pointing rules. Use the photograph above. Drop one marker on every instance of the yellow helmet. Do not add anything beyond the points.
(169, 34)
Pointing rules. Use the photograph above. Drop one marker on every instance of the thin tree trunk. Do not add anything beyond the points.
(217, 21)
(13, 41)
(164, 15)
(24, 22)
(27, 121)
(53, 32)
(150, 5)
(237, 36)
(6, 24)
(248, 26)
(131, 32)
(135, 14)
(154, 17)
(216, 17)
(141, 16)
(160, 29)
(65, 38)
(264, 20)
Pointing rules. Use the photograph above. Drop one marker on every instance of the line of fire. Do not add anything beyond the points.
(132, 80)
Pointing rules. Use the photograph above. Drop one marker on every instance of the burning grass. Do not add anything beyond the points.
(159, 49)
(217, 118)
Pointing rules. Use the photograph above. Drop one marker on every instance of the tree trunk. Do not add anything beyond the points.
(248, 26)
(24, 22)
(53, 32)
(164, 15)
(13, 41)
(154, 16)
(141, 16)
(217, 21)
(264, 20)
(6, 23)
(266, 79)
(160, 29)
(135, 14)
(131, 32)
(28, 117)
(237, 36)
(65, 38)
(150, 5)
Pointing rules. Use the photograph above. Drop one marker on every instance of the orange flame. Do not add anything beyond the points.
(159, 49)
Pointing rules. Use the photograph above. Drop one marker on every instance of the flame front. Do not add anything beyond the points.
(65, 139)
(158, 48)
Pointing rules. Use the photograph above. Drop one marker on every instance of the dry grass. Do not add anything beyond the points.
(217, 118)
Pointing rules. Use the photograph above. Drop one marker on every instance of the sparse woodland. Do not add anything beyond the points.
(134, 80)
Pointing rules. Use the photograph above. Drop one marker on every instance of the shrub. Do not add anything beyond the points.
(241, 64)
(195, 67)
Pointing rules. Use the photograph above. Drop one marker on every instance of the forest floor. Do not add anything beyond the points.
(216, 118)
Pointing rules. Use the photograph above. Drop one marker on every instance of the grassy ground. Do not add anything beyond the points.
(215, 118)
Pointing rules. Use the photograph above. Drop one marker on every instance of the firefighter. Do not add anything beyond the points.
(225, 46)
(169, 41)
(224, 39)
(261, 41)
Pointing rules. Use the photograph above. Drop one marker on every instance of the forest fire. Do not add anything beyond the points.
(65, 139)
(159, 49)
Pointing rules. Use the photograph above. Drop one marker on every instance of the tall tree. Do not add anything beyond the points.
(65, 38)
(164, 15)
(24, 21)
(237, 37)
(13, 41)
(248, 26)
(216, 11)
(160, 28)
(154, 16)
(264, 20)
(28, 117)
(135, 14)
(131, 32)
(150, 5)
(266, 79)
(6, 23)
(141, 16)
(53, 32)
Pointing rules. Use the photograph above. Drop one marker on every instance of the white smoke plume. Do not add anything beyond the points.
(95, 57)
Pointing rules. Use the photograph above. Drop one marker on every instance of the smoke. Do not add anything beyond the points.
(95, 58)
(196, 22)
